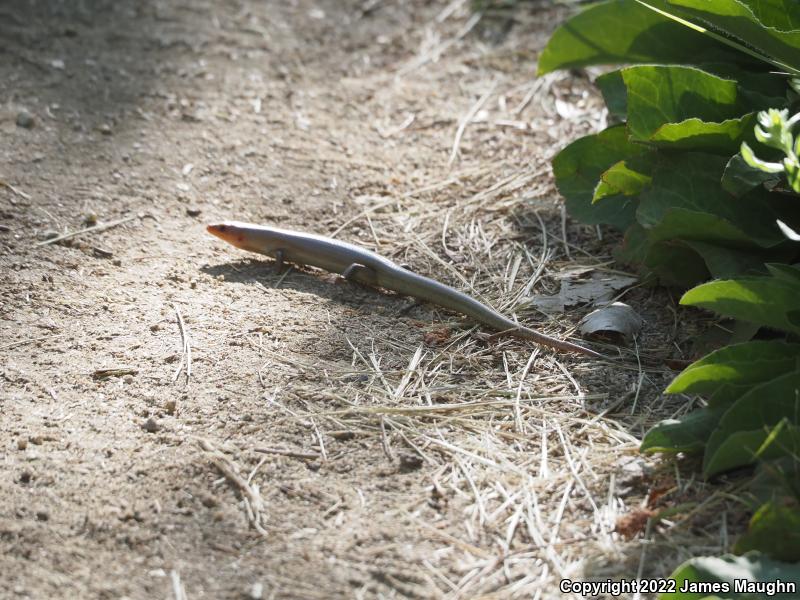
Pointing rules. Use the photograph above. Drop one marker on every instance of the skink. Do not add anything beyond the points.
(368, 268)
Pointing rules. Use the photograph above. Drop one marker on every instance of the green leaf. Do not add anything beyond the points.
(736, 18)
(765, 404)
(790, 273)
(767, 301)
(760, 90)
(685, 224)
(695, 134)
(783, 15)
(760, 409)
(776, 480)
(578, 168)
(661, 257)
(626, 177)
(743, 364)
(740, 178)
(685, 107)
(615, 94)
(774, 530)
(748, 569)
(746, 447)
(687, 184)
(655, 261)
(687, 434)
(729, 262)
(625, 32)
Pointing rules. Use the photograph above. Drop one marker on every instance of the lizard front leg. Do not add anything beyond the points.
(279, 255)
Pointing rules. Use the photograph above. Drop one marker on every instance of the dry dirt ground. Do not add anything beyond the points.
(179, 421)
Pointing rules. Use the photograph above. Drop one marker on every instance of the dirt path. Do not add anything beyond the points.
(335, 117)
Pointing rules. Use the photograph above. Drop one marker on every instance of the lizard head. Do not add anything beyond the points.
(231, 232)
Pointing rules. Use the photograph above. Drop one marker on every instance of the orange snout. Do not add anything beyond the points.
(227, 232)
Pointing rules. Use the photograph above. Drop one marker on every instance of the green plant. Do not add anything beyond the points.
(775, 131)
(707, 81)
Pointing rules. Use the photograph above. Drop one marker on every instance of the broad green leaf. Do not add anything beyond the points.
(690, 182)
(727, 394)
(736, 18)
(626, 177)
(685, 107)
(614, 93)
(745, 570)
(740, 178)
(578, 168)
(765, 404)
(755, 91)
(694, 134)
(775, 480)
(783, 15)
(746, 447)
(634, 246)
(661, 258)
(790, 273)
(687, 434)
(775, 531)
(656, 261)
(760, 409)
(759, 89)
(768, 301)
(625, 32)
(745, 364)
(725, 262)
(685, 224)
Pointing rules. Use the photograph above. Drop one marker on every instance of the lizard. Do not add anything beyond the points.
(369, 268)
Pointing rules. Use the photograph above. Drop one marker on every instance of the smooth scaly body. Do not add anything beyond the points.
(367, 267)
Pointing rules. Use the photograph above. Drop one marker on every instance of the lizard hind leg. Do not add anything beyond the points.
(279, 255)
(359, 273)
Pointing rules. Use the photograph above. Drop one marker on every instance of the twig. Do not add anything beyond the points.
(177, 586)
(99, 227)
(462, 126)
(16, 191)
(387, 450)
(294, 453)
(250, 493)
(186, 351)
(31, 340)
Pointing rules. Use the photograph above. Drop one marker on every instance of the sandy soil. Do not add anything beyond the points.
(322, 446)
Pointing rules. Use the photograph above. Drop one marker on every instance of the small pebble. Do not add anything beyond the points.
(25, 119)
(105, 129)
(193, 211)
(410, 462)
(49, 234)
(128, 379)
(150, 425)
(209, 501)
(257, 591)
(22, 444)
(171, 406)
